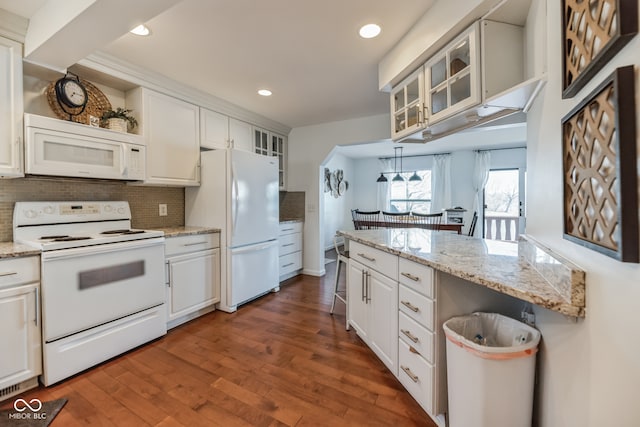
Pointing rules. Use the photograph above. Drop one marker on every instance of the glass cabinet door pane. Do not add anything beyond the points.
(412, 116)
(461, 89)
(400, 122)
(459, 57)
(439, 100)
(438, 72)
(413, 92)
(399, 100)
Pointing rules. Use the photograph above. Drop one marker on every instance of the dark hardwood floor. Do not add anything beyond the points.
(281, 360)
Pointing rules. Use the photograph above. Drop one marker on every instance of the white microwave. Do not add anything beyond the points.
(61, 148)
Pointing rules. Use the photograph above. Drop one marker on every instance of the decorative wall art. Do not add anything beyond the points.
(593, 32)
(599, 169)
(335, 183)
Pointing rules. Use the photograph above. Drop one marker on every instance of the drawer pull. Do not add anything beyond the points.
(195, 243)
(407, 371)
(368, 258)
(288, 244)
(409, 335)
(411, 277)
(410, 306)
(287, 229)
(413, 350)
(13, 273)
(287, 265)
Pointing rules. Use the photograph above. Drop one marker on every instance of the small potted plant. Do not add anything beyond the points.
(119, 119)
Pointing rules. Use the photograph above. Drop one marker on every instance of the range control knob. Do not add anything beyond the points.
(30, 213)
(120, 210)
(48, 210)
(108, 208)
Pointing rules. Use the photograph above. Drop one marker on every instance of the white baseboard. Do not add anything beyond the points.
(317, 273)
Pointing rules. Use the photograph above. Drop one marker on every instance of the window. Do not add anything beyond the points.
(411, 196)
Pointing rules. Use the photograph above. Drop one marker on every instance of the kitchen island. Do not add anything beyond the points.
(403, 284)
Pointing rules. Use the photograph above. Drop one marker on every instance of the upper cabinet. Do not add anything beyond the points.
(218, 131)
(171, 129)
(452, 77)
(10, 109)
(271, 144)
(407, 106)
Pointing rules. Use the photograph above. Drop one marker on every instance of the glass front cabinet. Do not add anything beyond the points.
(271, 144)
(452, 77)
(407, 106)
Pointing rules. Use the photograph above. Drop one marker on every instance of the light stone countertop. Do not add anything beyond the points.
(186, 230)
(16, 250)
(524, 269)
(290, 220)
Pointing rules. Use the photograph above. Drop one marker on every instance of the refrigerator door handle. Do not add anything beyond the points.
(235, 196)
(253, 248)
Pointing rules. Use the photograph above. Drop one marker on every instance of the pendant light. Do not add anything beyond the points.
(382, 178)
(397, 178)
(415, 177)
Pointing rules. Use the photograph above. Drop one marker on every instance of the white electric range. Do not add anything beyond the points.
(103, 285)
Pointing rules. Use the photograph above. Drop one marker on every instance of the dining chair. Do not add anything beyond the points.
(343, 258)
(428, 221)
(366, 220)
(399, 219)
(472, 227)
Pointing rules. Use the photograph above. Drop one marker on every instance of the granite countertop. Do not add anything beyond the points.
(186, 230)
(15, 250)
(290, 220)
(524, 269)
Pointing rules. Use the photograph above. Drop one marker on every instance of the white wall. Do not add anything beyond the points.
(589, 370)
(337, 211)
(308, 148)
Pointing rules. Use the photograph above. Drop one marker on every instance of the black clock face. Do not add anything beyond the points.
(71, 93)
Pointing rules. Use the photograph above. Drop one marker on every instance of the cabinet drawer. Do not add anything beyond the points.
(416, 276)
(289, 243)
(416, 306)
(195, 242)
(417, 336)
(416, 375)
(376, 259)
(290, 227)
(16, 271)
(290, 263)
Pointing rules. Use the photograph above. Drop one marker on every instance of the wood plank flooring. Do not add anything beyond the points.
(282, 360)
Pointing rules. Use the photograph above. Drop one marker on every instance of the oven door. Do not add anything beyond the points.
(89, 286)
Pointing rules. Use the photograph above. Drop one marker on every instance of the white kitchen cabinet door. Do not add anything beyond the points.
(407, 106)
(383, 319)
(11, 109)
(171, 129)
(194, 282)
(356, 298)
(21, 355)
(241, 135)
(214, 130)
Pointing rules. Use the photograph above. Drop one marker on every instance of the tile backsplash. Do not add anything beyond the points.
(143, 200)
(292, 205)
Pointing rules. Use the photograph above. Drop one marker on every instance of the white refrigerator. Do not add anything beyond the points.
(238, 194)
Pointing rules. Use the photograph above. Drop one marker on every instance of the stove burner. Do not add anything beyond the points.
(70, 239)
(53, 237)
(122, 232)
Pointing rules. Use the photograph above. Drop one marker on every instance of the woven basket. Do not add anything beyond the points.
(97, 104)
(115, 123)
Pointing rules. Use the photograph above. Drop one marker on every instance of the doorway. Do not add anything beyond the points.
(503, 205)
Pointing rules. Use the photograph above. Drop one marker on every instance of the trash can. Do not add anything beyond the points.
(491, 362)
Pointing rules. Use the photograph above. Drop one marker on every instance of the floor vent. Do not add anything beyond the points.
(12, 389)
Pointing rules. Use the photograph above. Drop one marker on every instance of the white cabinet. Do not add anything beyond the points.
(271, 144)
(218, 131)
(290, 249)
(407, 106)
(171, 129)
(21, 355)
(452, 77)
(192, 276)
(372, 296)
(11, 109)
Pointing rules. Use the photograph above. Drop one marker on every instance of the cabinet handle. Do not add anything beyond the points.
(410, 306)
(287, 265)
(413, 350)
(362, 283)
(411, 277)
(409, 335)
(288, 244)
(37, 320)
(407, 371)
(368, 258)
(368, 287)
(170, 275)
(195, 243)
(287, 229)
(12, 273)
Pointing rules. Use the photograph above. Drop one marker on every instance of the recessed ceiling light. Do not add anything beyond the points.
(141, 30)
(369, 31)
(264, 92)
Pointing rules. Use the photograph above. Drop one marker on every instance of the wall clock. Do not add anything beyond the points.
(71, 95)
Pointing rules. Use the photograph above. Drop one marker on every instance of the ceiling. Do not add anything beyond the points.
(309, 54)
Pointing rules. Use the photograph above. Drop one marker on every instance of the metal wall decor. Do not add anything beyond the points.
(599, 169)
(335, 183)
(593, 32)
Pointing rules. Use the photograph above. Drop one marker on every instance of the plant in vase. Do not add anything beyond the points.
(119, 119)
